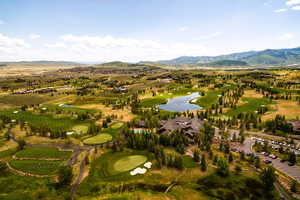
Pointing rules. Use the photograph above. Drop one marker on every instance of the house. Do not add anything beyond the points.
(188, 126)
(295, 125)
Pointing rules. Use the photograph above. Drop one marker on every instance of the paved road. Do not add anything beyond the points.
(261, 134)
(292, 171)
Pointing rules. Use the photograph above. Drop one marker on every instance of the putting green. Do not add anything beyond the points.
(129, 162)
(117, 125)
(80, 129)
(98, 139)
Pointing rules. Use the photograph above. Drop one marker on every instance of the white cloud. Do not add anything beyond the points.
(182, 29)
(2, 22)
(292, 2)
(34, 36)
(56, 45)
(286, 36)
(209, 36)
(280, 10)
(296, 8)
(11, 45)
(97, 48)
(108, 48)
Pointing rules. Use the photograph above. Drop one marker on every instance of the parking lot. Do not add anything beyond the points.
(292, 171)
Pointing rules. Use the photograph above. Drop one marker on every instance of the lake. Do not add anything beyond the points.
(181, 104)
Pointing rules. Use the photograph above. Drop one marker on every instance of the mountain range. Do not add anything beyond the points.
(265, 57)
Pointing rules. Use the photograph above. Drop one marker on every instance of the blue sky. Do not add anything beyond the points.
(134, 30)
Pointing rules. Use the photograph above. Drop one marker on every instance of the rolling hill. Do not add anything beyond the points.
(265, 57)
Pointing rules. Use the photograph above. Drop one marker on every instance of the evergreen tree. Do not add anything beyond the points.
(203, 164)
(65, 175)
(222, 167)
(196, 155)
(267, 177)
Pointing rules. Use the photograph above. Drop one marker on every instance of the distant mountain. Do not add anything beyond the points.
(120, 64)
(228, 63)
(265, 57)
(41, 62)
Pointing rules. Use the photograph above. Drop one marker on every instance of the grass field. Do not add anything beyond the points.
(81, 129)
(43, 120)
(19, 100)
(150, 102)
(290, 109)
(123, 114)
(43, 152)
(14, 187)
(129, 162)
(211, 97)
(250, 106)
(98, 139)
(39, 167)
(6, 153)
(71, 109)
(103, 169)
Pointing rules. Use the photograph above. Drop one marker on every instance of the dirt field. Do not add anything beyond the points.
(290, 109)
(30, 68)
(252, 94)
(124, 115)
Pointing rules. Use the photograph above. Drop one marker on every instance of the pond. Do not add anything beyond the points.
(181, 104)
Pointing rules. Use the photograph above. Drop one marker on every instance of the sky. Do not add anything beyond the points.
(143, 30)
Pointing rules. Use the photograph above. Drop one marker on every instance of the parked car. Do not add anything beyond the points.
(266, 154)
(283, 160)
(268, 161)
(272, 156)
(291, 164)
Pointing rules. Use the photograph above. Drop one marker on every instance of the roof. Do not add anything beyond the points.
(189, 126)
(295, 124)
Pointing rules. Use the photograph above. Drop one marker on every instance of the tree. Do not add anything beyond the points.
(179, 162)
(2, 167)
(21, 144)
(230, 157)
(242, 139)
(203, 164)
(267, 177)
(294, 186)
(292, 158)
(238, 169)
(196, 155)
(65, 175)
(222, 167)
(257, 162)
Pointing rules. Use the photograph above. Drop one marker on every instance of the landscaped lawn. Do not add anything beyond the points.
(251, 105)
(71, 109)
(81, 129)
(43, 152)
(211, 97)
(98, 139)
(116, 125)
(115, 166)
(39, 167)
(43, 120)
(129, 162)
(150, 102)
